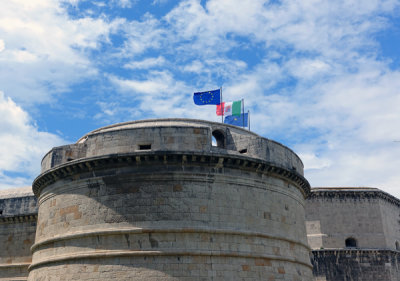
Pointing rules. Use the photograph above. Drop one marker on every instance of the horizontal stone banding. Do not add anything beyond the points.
(13, 265)
(352, 194)
(19, 218)
(115, 253)
(114, 231)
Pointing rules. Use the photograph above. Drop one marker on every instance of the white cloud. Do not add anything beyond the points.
(124, 3)
(158, 84)
(146, 63)
(312, 161)
(22, 145)
(142, 36)
(46, 50)
(159, 2)
(2, 45)
(307, 68)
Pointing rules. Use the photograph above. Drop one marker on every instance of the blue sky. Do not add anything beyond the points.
(321, 77)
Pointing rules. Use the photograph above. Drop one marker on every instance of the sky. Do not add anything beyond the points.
(321, 77)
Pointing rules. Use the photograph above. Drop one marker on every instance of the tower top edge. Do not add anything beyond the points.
(362, 193)
(162, 122)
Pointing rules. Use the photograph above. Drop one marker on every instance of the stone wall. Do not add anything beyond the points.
(173, 135)
(390, 213)
(17, 232)
(368, 215)
(356, 265)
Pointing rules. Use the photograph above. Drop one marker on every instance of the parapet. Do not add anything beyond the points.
(352, 193)
(17, 203)
(177, 136)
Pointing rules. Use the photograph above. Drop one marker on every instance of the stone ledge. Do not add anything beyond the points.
(117, 253)
(353, 194)
(177, 157)
(133, 230)
(19, 218)
(14, 265)
(356, 250)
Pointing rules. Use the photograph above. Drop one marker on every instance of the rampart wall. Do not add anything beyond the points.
(354, 234)
(18, 215)
(356, 265)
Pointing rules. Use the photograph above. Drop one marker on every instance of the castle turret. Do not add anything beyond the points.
(160, 200)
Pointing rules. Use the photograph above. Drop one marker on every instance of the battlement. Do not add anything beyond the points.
(351, 193)
(17, 202)
(355, 217)
(184, 135)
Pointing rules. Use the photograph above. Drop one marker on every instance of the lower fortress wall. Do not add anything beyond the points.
(18, 216)
(355, 265)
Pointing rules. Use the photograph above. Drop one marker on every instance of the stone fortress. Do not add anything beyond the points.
(159, 200)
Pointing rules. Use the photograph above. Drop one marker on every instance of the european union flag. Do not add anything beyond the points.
(209, 97)
(241, 120)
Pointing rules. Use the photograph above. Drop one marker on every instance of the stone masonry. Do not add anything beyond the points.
(354, 234)
(156, 200)
(18, 215)
(159, 200)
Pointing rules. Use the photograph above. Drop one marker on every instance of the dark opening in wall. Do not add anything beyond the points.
(219, 138)
(243, 151)
(351, 243)
(144, 146)
(1, 212)
(397, 245)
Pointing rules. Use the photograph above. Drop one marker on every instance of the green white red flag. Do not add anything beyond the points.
(229, 108)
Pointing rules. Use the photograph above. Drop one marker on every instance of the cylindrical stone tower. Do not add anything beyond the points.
(160, 200)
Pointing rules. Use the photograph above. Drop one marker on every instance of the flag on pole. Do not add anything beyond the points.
(240, 121)
(229, 108)
(208, 97)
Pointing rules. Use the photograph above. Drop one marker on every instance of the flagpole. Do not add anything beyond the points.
(243, 113)
(248, 118)
(221, 107)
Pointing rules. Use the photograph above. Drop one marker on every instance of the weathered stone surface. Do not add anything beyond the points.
(368, 215)
(18, 214)
(369, 218)
(173, 135)
(356, 265)
(155, 200)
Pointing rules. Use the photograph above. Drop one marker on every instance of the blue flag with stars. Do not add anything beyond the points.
(240, 121)
(208, 97)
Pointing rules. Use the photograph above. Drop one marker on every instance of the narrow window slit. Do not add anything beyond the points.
(243, 150)
(144, 146)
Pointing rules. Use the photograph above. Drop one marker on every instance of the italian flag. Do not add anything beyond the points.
(229, 108)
